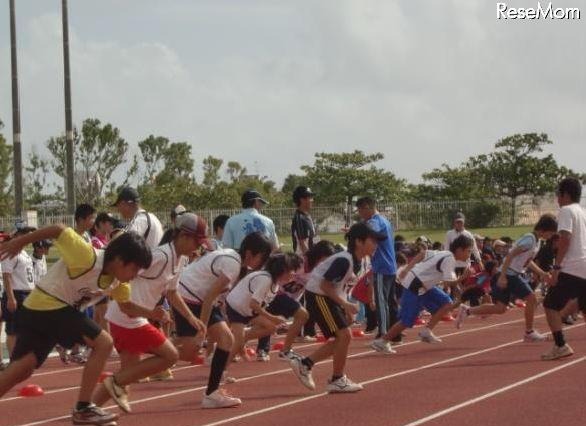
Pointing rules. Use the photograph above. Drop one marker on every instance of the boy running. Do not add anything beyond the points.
(510, 283)
(327, 303)
(51, 313)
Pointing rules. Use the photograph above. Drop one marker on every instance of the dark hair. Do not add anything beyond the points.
(506, 240)
(401, 259)
(490, 266)
(366, 202)
(129, 248)
(572, 187)
(279, 263)
(547, 223)
(436, 246)
(104, 217)
(83, 211)
(255, 243)
(318, 251)
(399, 237)
(220, 222)
(462, 242)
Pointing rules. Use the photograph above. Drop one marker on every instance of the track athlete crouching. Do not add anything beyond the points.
(202, 284)
(51, 313)
(133, 334)
(511, 284)
(422, 291)
(328, 304)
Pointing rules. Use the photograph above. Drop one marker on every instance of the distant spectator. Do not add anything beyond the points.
(85, 216)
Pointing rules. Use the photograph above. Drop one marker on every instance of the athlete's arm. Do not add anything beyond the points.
(329, 288)
(9, 292)
(258, 309)
(179, 304)
(11, 248)
(218, 287)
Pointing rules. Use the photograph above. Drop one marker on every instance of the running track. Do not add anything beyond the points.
(483, 374)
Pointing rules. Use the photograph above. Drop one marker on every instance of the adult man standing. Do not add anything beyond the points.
(249, 221)
(384, 265)
(145, 224)
(568, 280)
(302, 226)
(452, 234)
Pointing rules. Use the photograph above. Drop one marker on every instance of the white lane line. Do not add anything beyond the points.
(493, 393)
(471, 330)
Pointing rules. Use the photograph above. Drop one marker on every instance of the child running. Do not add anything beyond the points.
(133, 334)
(51, 313)
(202, 284)
(511, 284)
(327, 303)
(247, 302)
(422, 291)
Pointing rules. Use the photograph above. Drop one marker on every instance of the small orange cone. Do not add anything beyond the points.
(104, 375)
(520, 303)
(448, 318)
(198, 360)
(250, 352)
(321, 338)
(31, 390)
(357, 333)
(278, 346)
(419, 321)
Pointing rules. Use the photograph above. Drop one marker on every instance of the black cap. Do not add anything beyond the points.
(459, 217)
(128, 194)
(302, 192)
(251, 195)
(42, 244)
(362, 231)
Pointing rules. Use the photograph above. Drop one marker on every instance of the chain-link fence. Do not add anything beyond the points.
(404, 215)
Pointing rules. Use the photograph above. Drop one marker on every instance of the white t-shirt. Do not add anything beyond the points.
(530, 245)
(256, 285)
(197, 279)
(338, 269)
(439, 266)
(451, 235)
(39, 268)
(149, 286)
(148, 226)
(572, 219)
(21, 269)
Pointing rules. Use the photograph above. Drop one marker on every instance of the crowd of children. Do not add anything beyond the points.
(154, 298)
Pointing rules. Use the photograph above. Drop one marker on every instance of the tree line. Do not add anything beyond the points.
(164, 172)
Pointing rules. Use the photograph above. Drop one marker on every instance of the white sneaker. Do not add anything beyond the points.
(305, 339)
(534, 336)
(219, 399)
(118, 394)
(263, 356)
(462, 315)
(343, 385)
(302, 372)
(557, 352)
(286, 356)
(427, 336)
(381, 345)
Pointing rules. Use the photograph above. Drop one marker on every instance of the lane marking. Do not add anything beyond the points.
(493, 393)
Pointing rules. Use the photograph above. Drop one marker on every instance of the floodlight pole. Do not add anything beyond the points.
(69, 184)
(16, 146)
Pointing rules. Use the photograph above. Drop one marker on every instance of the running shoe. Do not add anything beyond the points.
(118, 393)
(462, 315)
(534, 336)
(162, 376)
(219, 399)
(63, 354)
(427, 336)
(305, 339)
(343, 385)
(302, 372)
(93, 415)
(383, 346)
(288, 355)
(557, 352)
(263, 356)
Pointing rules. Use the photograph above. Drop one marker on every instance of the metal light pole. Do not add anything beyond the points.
(69, 183)
(16, 147)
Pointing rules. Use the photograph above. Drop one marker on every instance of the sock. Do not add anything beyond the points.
(219, 362)
(82, 405)
(307, 362)
(558, 336)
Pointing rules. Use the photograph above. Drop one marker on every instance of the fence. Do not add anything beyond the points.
(404, 215)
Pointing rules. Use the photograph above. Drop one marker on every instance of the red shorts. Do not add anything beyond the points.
(136, 340)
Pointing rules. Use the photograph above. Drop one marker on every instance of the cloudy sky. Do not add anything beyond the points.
(269, 83)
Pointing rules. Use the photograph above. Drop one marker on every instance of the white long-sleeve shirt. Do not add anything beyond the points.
(452, 234)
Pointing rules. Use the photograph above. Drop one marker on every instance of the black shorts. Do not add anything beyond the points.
(283, 305)
(237, 317)
(568, 287)
(328, 314)
(10, 317)
(39, 331)
(185, 329)
(517, 288)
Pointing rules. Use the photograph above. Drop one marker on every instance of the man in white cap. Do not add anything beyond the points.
(455, 232)
(145, 224)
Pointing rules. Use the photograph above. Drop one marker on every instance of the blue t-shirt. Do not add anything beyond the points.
(383, 261)
(247, 222)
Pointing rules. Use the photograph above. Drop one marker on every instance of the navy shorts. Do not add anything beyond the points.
(330, 316)
(10, 317)
(412, 304)
(568, 287)
(185, 329)
(237, 317)
(517, 287)
(283, 305)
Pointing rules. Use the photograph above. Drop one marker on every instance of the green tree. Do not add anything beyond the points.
(211, 171)
(153, 150)
(36, 184)
(291, 182)
(6, 196)
(178, 168)
(339, 177)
